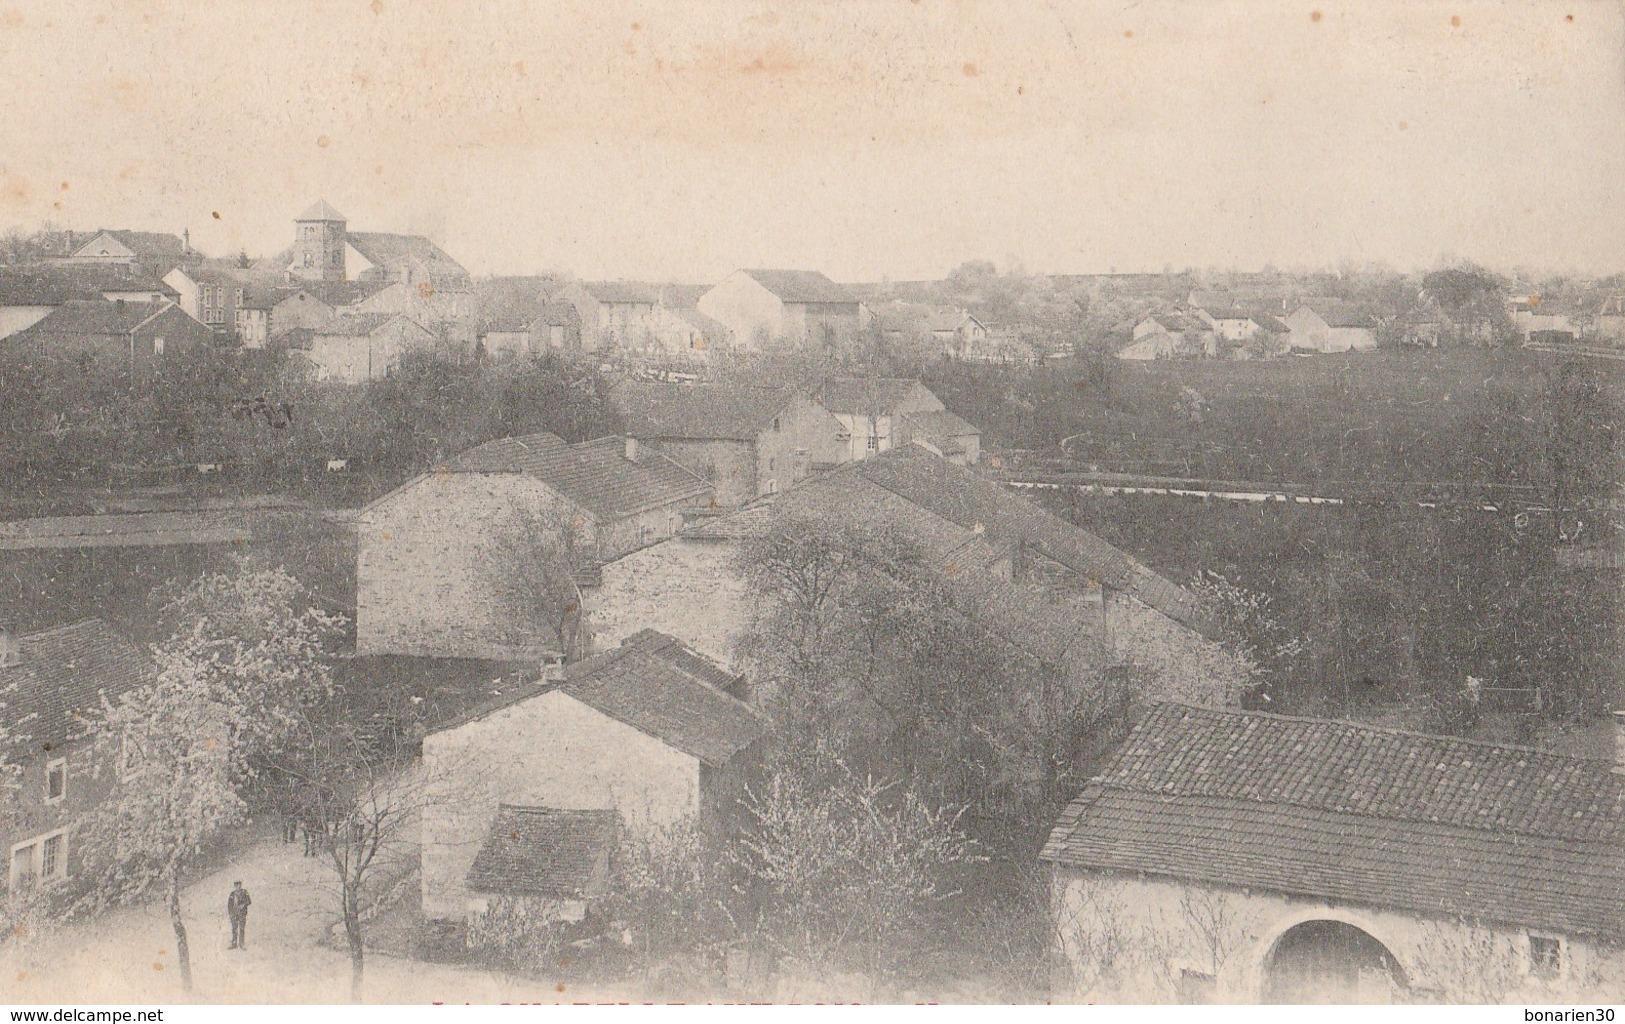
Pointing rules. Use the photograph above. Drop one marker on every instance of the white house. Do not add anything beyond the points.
(1225, 856)
(355, 348)
(869, 409)
(781, 305)
(644, 736)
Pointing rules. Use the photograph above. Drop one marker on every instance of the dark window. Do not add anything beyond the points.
(56, 780)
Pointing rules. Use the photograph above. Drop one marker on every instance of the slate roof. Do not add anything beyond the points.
(861, 396)
(1336, 810)
(321, 210)
(544, 852)
(52, 285)
(63, 673)
(596, 475)
(660, 687)
(802, 286)
(723, 412)
(382, 249)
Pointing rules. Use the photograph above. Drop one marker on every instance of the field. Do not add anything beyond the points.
(1468, 416)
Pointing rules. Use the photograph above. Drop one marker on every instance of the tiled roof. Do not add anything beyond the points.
(381, 249)
(95, 317)
(1336, 810)
(321, 210)
(146, 244)
(596, 474)
(939, 423)
(623, 292)
(971, 501)
(714, 329)
(660, 687)
(1176, 323)
(557, 314)
(802, 286)
(545, 852)
(698, 411)
(336, 293)
(355, 325)
(510, 454)
(64, 673)
(863, 396)
(54, 284)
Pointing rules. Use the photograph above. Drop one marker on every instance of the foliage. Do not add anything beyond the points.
(849, 871)
(1248, 626)
(261, 649)
(535, 554)
(170, 747)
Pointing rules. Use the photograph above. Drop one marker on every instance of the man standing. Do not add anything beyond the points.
(237, 910)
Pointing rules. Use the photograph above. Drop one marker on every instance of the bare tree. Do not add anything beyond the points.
(535, 556)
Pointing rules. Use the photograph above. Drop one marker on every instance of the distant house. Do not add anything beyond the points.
(153, 251)
(940, 432)
(687, 334)
(1329, 327)
(1272, 859)
(141, 333)
(612, 313)
(744, 441)
(952, 330)
(254, 316)
(1228, 325)
(784, 305)
(29, 294)
(211, 295)
(315, 303)
(435, 561)
(556, 326)
(356, 348)
(535, 785)
(869, 409)
(1534, 318)
(1167, 335)
(50, 680)
(1609, 323)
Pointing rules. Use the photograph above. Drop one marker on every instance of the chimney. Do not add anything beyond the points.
(631, 448)
(1619, 742)
(10, 653)
(553, 670)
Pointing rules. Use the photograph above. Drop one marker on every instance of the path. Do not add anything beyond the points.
(129, 956)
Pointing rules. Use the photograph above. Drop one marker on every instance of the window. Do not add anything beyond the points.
(157, 346)
(52, 863)
(310, 258)
(772, 464)
(874, 442)
(41, 858)
(775, 424)
(239, 296)
(1545, 956)
(772, 487)
(56, 780)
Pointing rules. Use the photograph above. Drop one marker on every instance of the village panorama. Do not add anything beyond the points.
(778, 503)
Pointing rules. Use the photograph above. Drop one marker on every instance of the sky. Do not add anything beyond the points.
(870, 139)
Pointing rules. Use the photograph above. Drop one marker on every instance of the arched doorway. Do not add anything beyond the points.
(1330, 962)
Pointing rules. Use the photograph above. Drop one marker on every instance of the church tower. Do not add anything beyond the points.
(318, 244)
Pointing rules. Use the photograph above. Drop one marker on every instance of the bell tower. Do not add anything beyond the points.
(318, 244)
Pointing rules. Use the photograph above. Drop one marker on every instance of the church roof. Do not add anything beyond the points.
(321, 210)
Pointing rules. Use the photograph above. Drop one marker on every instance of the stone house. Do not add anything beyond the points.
(1224, 856)
(1166, 335)
(141, 333)
(354, 348)
(612, 313)
(1066, 597)
(744, 441)
(645, 737)
(48, 681)
(794, 306)
(1329, 327)
(439, 559)
(870, 410)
